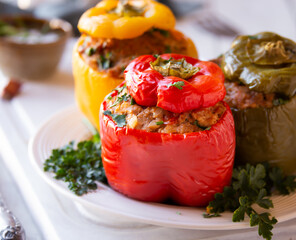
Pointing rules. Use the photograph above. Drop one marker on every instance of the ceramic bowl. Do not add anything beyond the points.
(35, 60)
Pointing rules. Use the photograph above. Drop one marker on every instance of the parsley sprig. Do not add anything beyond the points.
(79, 166)
(118, 118)
(123, 98)
(178, 85)
(252, 185)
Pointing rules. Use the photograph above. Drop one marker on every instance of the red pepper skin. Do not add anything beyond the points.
(187, 168)
(149, 88)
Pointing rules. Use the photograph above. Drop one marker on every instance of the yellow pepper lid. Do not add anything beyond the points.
(125, 19)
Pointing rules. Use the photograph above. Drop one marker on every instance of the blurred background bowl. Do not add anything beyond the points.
(33, 59)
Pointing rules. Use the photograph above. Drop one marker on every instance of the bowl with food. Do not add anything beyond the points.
(31, 48)
(113, 33)
(260, 72)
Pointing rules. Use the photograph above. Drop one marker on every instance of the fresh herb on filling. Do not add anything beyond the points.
(79, 166)
(133, 102)
(90, 51)
(201, 127)
(178, 85)
(252, 185)
(159, 123)
(104, 61)
(165, 33)
(119, 119)
(120, 99)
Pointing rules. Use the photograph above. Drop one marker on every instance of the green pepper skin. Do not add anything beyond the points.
(267, 134)
(265, 62)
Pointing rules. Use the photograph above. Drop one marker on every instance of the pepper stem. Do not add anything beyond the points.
(174, 67)
(126, 9)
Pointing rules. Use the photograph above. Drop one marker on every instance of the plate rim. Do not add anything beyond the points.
(53, 183)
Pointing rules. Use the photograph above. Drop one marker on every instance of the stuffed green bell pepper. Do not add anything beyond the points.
(261, 91)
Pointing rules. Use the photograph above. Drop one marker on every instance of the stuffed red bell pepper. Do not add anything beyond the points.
(166, 133)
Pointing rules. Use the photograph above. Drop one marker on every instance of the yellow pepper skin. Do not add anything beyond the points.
(91, 86)
(100, 23)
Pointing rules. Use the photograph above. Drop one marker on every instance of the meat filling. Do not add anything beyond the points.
(113, 55)
(241, 97)
(155, 119)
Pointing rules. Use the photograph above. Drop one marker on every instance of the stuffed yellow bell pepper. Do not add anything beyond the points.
(113, 33)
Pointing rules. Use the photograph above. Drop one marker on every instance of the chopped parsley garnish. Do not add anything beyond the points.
(196, 123)
(167, 61)
(156, 55)
(178, 85)
(159, 123)
(133, 102)
(252, 185)
(119, 119)
(122, 68)
(79, 166)
(104, 61)
(117, 91)
(120, 89)
(279, 101)
(90, 51)
(120, 99)
(165, 33)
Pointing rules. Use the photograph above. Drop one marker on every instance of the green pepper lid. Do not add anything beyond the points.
(265, 62)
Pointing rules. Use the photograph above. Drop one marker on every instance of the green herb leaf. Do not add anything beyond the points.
(159, 123)
(265, 225)
(201, 127)
(161, 31)
(90, 51)
(80, 167)
(104, 61)
(120, 99)
(178, 85)
(119, 119)
(133, 102)
(239, 214)
(253, 185)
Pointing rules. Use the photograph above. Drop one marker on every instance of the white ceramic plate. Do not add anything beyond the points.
(67, 126)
